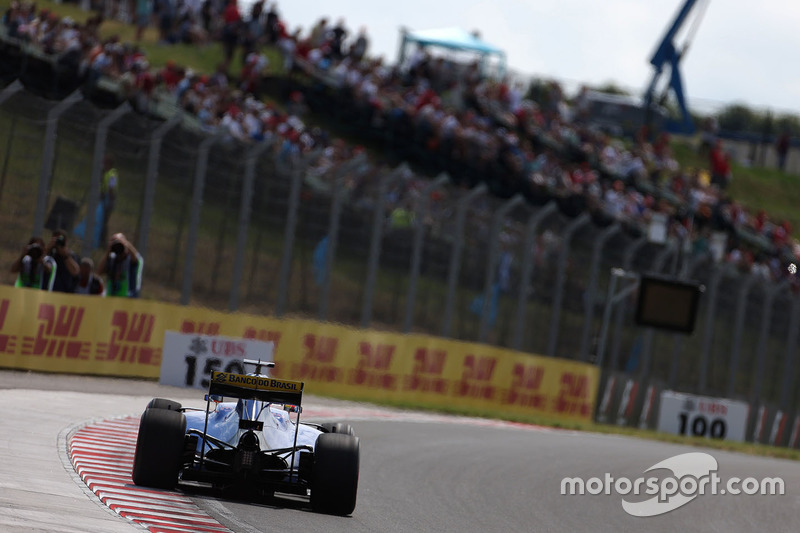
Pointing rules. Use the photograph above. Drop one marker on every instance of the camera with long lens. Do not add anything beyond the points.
(117, 247)
(61, 241)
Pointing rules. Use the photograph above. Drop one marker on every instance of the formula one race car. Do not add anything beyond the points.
(251, 444)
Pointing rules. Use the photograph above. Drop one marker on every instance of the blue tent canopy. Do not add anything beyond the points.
(452, 39)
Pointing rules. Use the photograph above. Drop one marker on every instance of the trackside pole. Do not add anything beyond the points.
(375, 243)
(48, 156)
(791, 353)
(531, 231)
(198, 187)
(708, 334)
(591, 292)
(494, 248)
(561, 277)
(423, 206)
(298, 172)
(738, 330)
(627, 264)
(456, 253)
(153, 157)
(611, 300)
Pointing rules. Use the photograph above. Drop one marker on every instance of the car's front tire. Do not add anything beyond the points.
(159, 448)
(335, 477)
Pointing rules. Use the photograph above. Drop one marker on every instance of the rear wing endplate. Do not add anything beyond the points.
(262, 388)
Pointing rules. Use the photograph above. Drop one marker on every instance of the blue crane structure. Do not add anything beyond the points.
(670, 54)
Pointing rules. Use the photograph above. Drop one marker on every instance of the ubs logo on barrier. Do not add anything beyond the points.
(525, 383)
(373, 366)
(319, 360)
(427, 373)
(8, 343)
(57, 333)
(130, 340)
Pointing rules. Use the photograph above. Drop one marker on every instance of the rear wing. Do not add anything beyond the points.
(262, 388)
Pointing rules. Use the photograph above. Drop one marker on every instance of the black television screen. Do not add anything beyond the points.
(667, 303)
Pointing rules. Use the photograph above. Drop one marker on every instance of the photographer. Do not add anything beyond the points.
(88, 281)
(34, 268)
(67, 267)
(123, 266)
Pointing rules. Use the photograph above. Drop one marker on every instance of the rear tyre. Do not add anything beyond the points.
(159, 448)
(163, 403)
(334, 484)
(338, 427)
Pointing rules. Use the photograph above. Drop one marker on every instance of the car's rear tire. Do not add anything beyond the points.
(337, 427)
(159, 448)
(163, 403)
(334, 484)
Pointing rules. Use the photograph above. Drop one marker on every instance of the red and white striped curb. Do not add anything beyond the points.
(102, 455)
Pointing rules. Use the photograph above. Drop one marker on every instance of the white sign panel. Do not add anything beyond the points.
(700, 416)
(188, 358)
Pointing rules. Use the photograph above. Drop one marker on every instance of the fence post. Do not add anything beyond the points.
(100, 139)
(763, 335)
(741, 308)
(455, 255)
(5, 94)
(333, 235)
(591, 290)
(194, 217)
(708, 335)
(619, 312)
(288, 238)
(49, 156)
(416, 252)
(791, 354)
(531, 230)
(647, 345)
(613, 298)
(150, 180)
(245, 210)
(378, 223)
(491, 261)
(561, 276)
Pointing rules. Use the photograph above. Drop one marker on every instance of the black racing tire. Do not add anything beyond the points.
(337, 427)
(334, 483)
(159, 448)
(163, 403)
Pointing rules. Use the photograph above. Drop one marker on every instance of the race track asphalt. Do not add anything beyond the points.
(418, 473)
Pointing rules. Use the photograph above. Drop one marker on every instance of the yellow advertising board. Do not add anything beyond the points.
(123, 337)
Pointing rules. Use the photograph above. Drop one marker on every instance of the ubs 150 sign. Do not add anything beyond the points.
(189, 358)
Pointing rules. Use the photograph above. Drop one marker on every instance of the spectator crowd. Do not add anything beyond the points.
(440, 115)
